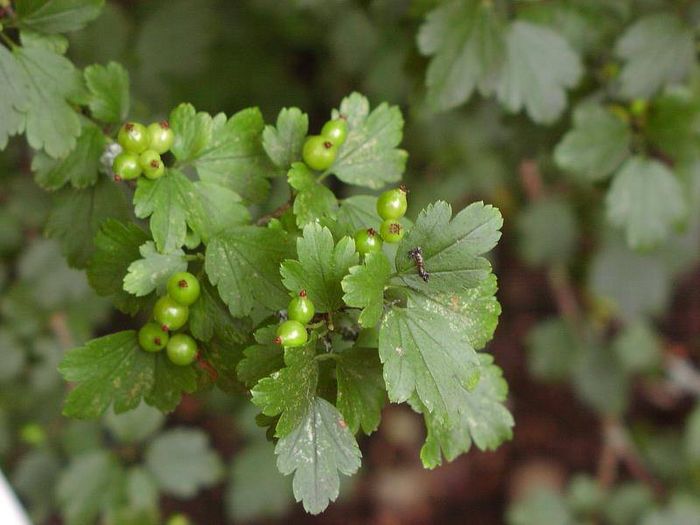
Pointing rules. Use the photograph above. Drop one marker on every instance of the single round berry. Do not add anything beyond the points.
(301, 308)
(126, 166)
(368, 241)
(319, 152)
(291, 333)
(182, 349)
(161, 137)
(392, 231)
(151, 164)
(170, 314)
(133, 137)
(392, 204)
(152, 338)
(183, 288)
(336, 130)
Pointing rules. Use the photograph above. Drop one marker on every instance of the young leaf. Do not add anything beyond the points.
(77, 215)
(646, 200)
(320, 268)
(182, 462)
(113, 370)
(284, 141)
(313, 200)
(370, 157)
(467, 42)
(153, 270)
(259, 361)
(422, 354)
(57, 16)
(210, 317)
(109, 92)
(244, 264)
(290, 392)
(80, 167)
(116, 246)
(659, 50)
(316, 450)
(597, 144)
(218, 208)
(13, 96)
(361, 389)
(193, 131)
(540, 65)
(357, 212)
(167, 201)
(364, 288)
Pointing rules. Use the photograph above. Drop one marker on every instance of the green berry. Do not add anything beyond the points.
(151, 164)
(319, 152)
(184, 288)
(126, 166)
(392, 231)
(33, 434)
(152, 337)
(133, 137)
(161, 137)
(182, 349)
(392, 204)
(291, 333)
(170, 314)
(368, 241)
(301, 308)
(336, 130)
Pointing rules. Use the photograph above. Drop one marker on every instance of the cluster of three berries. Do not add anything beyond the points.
(171, 313)
(391, 206)
(141, 150)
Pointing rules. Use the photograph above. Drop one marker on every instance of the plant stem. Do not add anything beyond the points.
(274, 214)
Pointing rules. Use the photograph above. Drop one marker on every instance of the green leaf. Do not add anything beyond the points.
(210, 317)
(628, 503)
(553, 350)
(600, 381)
(153, 270)
(596, 146)
(80, 167)
(76, 217)
(364, 288)
(451, 249)
(313, 200)
(356, 213)
(540, 65)
(218, 209)
(13, 97)
(167, 201)
(224, 357)
(284, 141)
(637, 348)
(91, 483)
(467, 42)
(658, 50)
(647, 200)
(683, 510)
(12, 355)
(116, 246)
(51, 123)
(542, 506)
(320, 268)
(361, 390)
(182, 462)
(57, 16)
(422, 354)
(369, 157)
(113, 370)
(290, 392)
(135, 425)
(317, 449)
(262, 359)
(109, 92)
(244, 265)
(548, 231)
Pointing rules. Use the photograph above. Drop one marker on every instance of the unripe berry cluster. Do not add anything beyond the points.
(292, 332)
(320, 151)
(141, 150)
(391, 206)
(171, 313)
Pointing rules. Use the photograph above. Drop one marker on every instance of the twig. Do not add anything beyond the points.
(59, 326)
(262, 221)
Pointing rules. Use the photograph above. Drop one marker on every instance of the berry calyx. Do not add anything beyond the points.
(392, 204)
(336, 130)
(151, 164)
(170, 314)
(392, 231)
(182, 349)
(290, 334)
(368, 241)
(152, 338)
(301, 308)
(126, 166)
(133, 137)
(161, 137)
(183, 288)
(319, 152)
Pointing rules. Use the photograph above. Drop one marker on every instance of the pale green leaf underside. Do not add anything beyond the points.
(152, 271)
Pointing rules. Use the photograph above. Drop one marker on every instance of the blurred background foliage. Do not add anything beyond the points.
(599, 341)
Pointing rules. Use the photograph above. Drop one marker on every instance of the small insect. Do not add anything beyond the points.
(417, 255)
